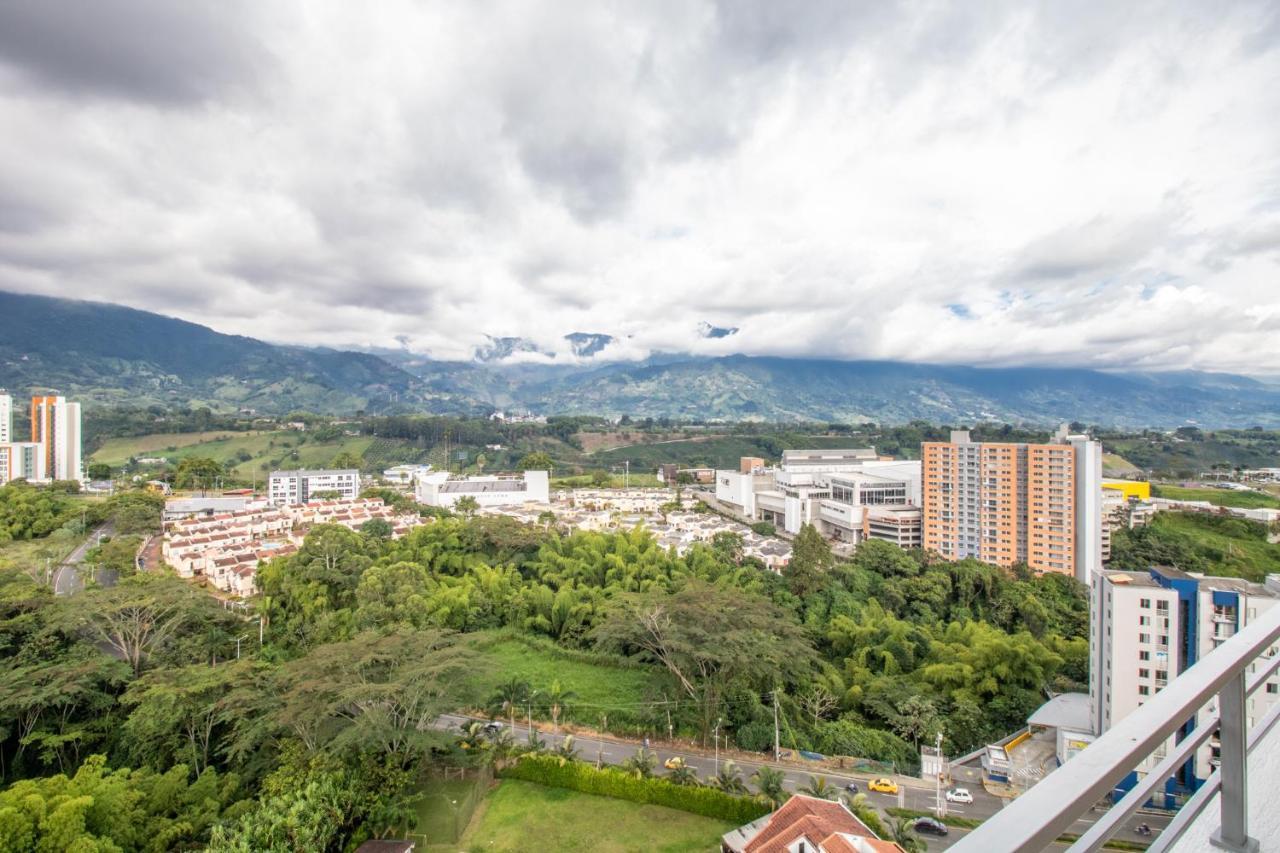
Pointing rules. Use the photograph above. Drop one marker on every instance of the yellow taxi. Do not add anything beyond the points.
(884, 786)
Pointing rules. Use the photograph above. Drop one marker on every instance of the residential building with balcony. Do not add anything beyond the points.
(1009, 503)
(1146, 629)
(438, 488)
(302, 486)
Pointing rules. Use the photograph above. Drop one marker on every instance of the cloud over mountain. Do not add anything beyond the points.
(1003, 183)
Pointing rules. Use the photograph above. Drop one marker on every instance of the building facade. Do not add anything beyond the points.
(55, 424)
(6, 417)
(847, 495)
(1146, 628)
(1009, 503)
(299, 487)
(439, 489)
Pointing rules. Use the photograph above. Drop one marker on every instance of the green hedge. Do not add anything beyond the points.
(610, 782)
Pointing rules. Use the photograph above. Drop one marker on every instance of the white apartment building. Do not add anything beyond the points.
(299, 487)
(22, 460)
(439, 489)
(847, 495)
(6, 417)
(405, 475)
(55, 424)
(1146, 628)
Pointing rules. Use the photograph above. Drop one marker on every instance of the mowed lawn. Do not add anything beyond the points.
(1218, 497)
(524, 816)
(600, 688)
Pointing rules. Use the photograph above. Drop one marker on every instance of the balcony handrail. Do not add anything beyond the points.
(1038, 817)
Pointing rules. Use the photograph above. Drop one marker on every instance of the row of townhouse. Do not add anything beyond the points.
(227, 548)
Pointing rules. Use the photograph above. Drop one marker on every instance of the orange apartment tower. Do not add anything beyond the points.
(1008, 503)
(55, 425)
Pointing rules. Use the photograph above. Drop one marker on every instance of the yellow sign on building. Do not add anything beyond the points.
(1139, 489)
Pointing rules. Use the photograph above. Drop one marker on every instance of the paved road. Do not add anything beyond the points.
(920, 796)
(66, 579)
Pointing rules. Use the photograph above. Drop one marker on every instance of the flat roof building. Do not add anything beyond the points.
(303, 486)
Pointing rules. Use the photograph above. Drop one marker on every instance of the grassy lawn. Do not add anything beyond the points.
(1113, 464)
(601, 688)
(524, 816)
(1217, 497)
(27, 553)
(441, 813)
(117, 451)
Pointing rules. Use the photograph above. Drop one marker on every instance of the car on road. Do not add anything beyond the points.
(675, 762)
(959, 795)
(929, 826)
(852, 787)
(883, 785)
(493, 727)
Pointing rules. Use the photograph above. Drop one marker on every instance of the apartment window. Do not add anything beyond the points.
(1273, 688)
(1144, 690)
(1144, 603)
(1144, 673)
(1144, 655)
(1144, 638)
(1164, 639)
(1144, 620)
(1162, 605)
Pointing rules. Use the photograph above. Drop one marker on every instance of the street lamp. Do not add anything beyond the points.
(716, 735)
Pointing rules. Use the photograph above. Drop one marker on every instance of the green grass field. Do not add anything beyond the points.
(274, 449)
(1230, 547)
(1117, 465)
(601, 688)
(1217, 497)
(524, 816)
(441, 811)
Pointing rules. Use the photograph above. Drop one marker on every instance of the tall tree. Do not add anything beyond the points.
(708, 638)
(810, 558)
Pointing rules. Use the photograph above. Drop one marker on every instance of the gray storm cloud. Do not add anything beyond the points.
(1006, 183)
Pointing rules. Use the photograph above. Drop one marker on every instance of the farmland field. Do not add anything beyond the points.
(1217, 497)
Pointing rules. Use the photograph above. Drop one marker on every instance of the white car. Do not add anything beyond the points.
(959, 795)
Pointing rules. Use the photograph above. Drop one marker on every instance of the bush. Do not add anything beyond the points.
(611, 782)
(764, 528)
(755, 737)
(843, 737)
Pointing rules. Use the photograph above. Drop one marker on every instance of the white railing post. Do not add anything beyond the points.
(1233, 833)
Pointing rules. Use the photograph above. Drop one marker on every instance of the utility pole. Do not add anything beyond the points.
(532, 693)
(717, 739)
(777, 746)
(238, 639)
(671, 733)
(627, 478)
(604, 726)
(941, 808)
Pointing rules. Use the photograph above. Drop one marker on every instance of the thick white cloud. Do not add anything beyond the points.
(1094, 184)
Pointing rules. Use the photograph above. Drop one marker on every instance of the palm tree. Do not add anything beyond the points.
(472, 737)
(558, 699)
(467, 505)
(509, 698)
(729, 779)
(819, 787)
(685, 775)
(641, 764)
(566, 751)
(768, 782)
(904, 834)
(536, 744)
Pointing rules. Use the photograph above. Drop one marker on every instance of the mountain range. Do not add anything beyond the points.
(111, 355)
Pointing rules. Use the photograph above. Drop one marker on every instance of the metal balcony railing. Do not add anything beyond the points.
(1034, 820)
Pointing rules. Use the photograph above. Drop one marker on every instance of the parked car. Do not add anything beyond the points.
(675, 762)
(852, 787)
(493, 727)
(959, 795)
(929, 826)
(883, 785)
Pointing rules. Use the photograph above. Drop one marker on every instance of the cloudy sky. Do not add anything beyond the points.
(1081, 183)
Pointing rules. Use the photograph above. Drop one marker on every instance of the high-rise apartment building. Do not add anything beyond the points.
(55, 424)
(1146, 628)
(6, 418)
(1008, 503)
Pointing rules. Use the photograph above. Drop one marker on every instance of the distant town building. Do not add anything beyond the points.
(405, 475)
(301, 486)
(6, 417)
(55, 423)
(847, 495)
(1008, 503)
(438, 488)
(803, 824)
(21, 460)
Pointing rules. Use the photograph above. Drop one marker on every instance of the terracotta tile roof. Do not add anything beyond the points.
(809, 816)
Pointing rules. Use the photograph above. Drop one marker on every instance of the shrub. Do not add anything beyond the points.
(843, 737)
(610, 782)
(755, 736)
